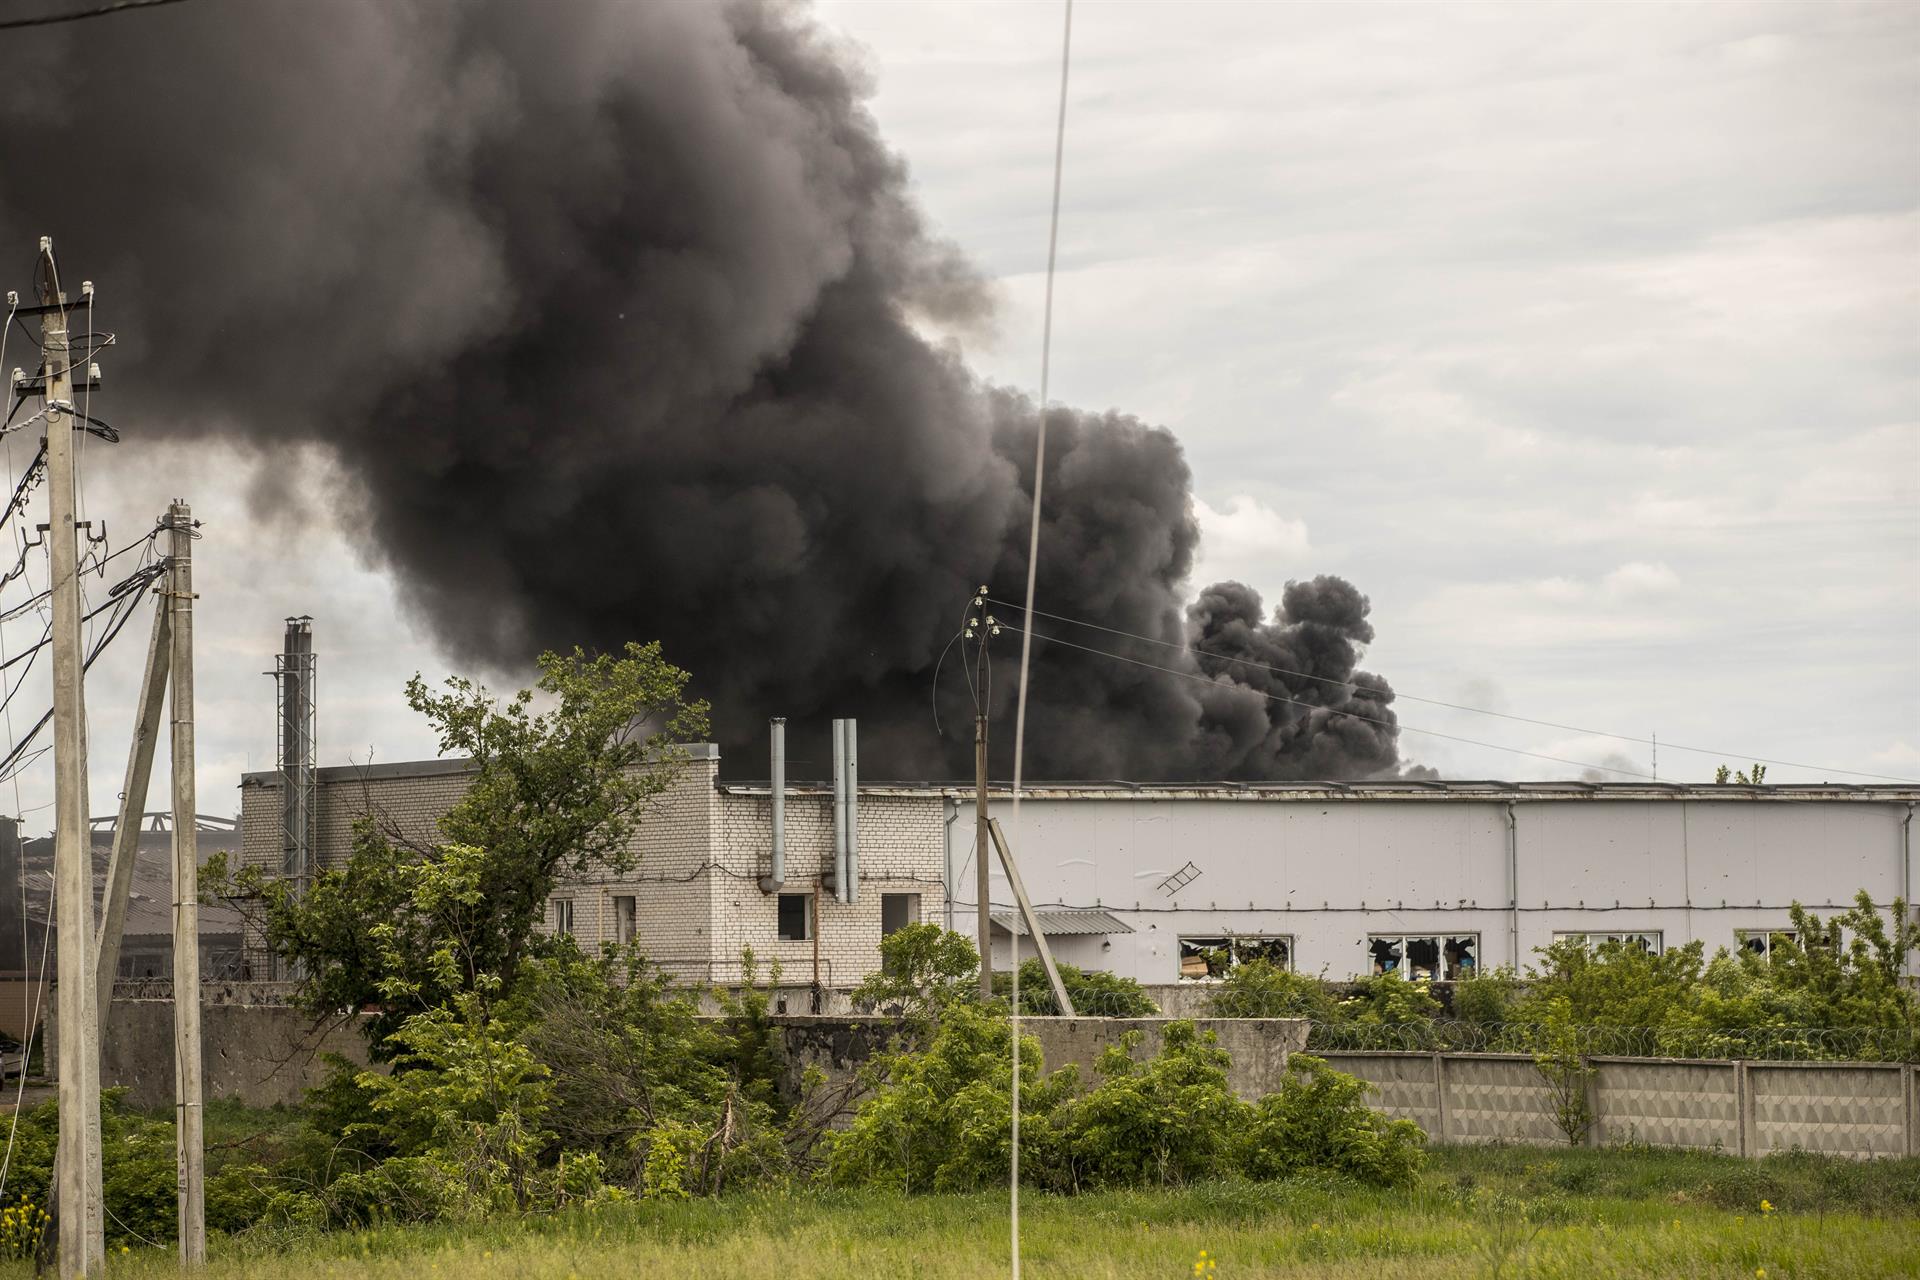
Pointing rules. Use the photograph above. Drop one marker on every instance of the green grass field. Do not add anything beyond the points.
(1477, 1212)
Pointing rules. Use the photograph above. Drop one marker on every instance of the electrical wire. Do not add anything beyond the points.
(1337, 711)
(124, 602)
(98, 11)
(1399, 696)
(46, 932)
(1033, 569)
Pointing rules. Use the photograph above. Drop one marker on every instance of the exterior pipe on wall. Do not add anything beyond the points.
(840, 810)
(776, 877)
(1513, 889)
(853, 811)
(1906, 881)
(946, 879)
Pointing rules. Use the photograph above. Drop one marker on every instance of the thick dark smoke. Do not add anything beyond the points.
(614, 314)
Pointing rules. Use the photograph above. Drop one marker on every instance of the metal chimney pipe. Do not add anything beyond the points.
(840, 810)
(776, 877)
(853, 810)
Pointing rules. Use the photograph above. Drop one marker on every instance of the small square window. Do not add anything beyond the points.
(796, 917)
(563, 915)
(897, 911)
(626, 922)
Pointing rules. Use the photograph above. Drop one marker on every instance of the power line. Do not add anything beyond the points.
(99, 11)
(1338, 711)
(1398, 695)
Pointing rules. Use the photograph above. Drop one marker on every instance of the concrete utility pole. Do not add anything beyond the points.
(982, 893)
(133, 802)
(82, 1242)
(189, 1143)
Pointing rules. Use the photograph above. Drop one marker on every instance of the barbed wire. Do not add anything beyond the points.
(1453, 1035)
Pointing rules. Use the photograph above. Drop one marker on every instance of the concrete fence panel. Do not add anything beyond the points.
(1689, 1105)
(1855, 1109)
(1497, 1097)
(1404, 1085)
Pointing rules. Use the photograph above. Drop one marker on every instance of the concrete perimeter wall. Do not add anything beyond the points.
(262, 1051)
(1857, 1109)
(258, 1049)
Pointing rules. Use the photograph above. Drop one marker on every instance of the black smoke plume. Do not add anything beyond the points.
(613, 313)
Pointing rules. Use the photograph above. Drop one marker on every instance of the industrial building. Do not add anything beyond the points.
(1177, 884)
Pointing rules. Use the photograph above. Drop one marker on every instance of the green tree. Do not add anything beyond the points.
(1613, 985)
(923, 969)
(553, 792)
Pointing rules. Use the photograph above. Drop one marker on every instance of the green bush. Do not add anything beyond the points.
(1387, 999)
(1319, 1120)
(1171, 1119)
(1095, 992)
(1262, 989)
(939, 1118)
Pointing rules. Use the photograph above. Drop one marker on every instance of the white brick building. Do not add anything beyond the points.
(693, 899)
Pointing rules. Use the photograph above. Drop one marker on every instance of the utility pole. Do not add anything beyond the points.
(82, 1242)
(981, 890)
(189, 1143)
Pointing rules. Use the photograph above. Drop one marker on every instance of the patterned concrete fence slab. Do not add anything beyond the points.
(1857, 1109)
(1860, 1109)
(1667, 1103)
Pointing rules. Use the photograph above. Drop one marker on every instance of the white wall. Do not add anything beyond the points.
(1330, 872)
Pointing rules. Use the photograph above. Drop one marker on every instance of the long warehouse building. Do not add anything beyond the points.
(1171, 884)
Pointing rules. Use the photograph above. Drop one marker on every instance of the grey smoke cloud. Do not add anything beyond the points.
(613, 315)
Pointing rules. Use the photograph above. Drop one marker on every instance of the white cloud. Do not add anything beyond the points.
(1249, 542)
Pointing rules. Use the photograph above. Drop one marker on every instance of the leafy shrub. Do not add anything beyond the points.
(1319, 1120)
(939, 1119)
(1095, 992)
(1387, 999)
(1262, 989)
(1171, 1119)
(1487, 998)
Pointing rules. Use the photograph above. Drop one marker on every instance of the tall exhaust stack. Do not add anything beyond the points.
(294, 682)
(776, 877)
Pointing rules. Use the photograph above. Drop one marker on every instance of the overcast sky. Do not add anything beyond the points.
(1585, 339)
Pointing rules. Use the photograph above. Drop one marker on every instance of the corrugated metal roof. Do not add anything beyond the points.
(1061, 923)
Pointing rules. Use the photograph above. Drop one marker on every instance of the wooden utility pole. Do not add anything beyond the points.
(189, 1142)
(133, 802)
(82, 1242)
(982, 893)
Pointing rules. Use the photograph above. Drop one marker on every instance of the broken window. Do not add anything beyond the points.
(796, 917)
(626, 921)
(897, 911)
(1763, 942)
(563, 915)
(1205, 958)
(1649, 942)
(1425, 957)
